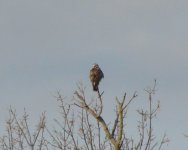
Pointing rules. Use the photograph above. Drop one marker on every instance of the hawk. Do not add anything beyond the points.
(95, 76)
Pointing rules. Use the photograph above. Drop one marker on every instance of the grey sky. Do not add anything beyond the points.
(48, 45)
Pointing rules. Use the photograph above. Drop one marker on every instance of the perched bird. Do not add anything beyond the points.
(95, 76)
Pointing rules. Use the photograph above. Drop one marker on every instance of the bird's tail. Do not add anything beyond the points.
(95, 87)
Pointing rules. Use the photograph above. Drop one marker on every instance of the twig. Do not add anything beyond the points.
(101, 103)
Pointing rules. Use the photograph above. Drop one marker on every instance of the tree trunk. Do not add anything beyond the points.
(116, 147)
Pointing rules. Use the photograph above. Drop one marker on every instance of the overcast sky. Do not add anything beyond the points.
(47, 45)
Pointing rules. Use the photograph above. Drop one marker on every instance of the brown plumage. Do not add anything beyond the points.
(95, 76)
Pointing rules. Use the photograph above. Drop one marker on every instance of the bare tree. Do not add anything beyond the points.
(81, 126)
(116, 136)
(19, 136)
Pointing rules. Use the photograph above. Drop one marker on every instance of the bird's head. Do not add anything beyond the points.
(95, 65)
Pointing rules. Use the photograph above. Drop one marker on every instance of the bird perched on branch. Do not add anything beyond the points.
(95, 76)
